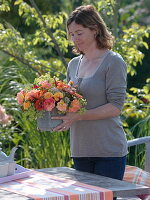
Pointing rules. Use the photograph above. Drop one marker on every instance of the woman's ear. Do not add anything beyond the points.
(95, 30)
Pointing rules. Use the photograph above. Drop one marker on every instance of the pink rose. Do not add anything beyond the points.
(49, 104)
(62, 106)
(45, 84)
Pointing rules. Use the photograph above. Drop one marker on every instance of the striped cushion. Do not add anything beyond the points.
(137, 176)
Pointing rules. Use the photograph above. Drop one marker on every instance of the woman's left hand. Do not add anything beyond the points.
(68, 120)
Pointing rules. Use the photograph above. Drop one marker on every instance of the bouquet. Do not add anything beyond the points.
(47, 94)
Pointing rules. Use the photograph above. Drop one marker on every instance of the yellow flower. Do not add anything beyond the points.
(48, 95)
(58, 95)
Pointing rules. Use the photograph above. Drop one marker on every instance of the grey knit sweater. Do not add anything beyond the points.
(100, 138)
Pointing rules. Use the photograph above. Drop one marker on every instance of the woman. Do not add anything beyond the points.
(98, 142)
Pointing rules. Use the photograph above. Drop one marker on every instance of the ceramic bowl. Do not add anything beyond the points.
(45, 123)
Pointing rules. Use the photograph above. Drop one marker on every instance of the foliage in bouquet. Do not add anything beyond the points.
(48, 93)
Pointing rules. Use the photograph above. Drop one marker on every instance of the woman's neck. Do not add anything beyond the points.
(94, 54)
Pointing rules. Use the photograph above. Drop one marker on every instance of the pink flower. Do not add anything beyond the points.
(4, 118)
(49, 104)
(45, 84)
(20, 97)
(62, 106)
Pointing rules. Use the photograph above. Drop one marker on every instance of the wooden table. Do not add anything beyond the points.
(119, 188)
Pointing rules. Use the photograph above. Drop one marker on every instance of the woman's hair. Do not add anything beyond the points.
(88, 17)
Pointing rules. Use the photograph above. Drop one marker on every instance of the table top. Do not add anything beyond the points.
(119, 188)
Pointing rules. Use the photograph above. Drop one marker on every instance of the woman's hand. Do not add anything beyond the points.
(68, 120)
(102, 112)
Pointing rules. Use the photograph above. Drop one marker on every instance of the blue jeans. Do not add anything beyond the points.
(112, 167)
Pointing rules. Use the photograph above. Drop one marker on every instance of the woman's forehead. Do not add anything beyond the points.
(73, 27)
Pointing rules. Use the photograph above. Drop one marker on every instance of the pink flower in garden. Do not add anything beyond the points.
(49, 104)
(4, 118)
(20, 97)
(45, 84)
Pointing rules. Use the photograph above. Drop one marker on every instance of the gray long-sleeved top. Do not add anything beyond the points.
(105, 137)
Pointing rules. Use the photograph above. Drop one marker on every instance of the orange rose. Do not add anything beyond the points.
(59, 85)
(75, 106)
(42, 92)
(33, 94)
(70, 83)
(58, 95)
(26, 105)
(48, 95)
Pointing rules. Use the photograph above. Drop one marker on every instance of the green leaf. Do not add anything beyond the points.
(17, 2)
(146, 45)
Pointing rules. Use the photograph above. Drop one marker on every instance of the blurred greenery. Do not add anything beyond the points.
(33, 41)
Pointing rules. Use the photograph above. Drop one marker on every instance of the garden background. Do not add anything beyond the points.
(33, 41)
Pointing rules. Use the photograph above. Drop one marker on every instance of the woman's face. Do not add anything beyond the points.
(82, 37)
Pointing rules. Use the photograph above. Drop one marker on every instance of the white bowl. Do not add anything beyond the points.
(4, 169)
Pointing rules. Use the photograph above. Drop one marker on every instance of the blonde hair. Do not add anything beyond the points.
(88, 17)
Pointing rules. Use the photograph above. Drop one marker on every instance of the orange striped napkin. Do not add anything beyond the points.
(41, 186)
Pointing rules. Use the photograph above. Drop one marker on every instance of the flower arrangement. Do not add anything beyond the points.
(48, 93)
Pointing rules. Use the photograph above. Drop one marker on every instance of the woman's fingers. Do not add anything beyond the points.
(68, 119)
(61, 127)
(60, 117)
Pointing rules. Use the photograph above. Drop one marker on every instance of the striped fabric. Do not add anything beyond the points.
(41, 186)
(137, 176)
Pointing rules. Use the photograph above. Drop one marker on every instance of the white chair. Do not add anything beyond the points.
(143, 140)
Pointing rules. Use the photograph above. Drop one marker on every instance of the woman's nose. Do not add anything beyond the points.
(75, 39)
